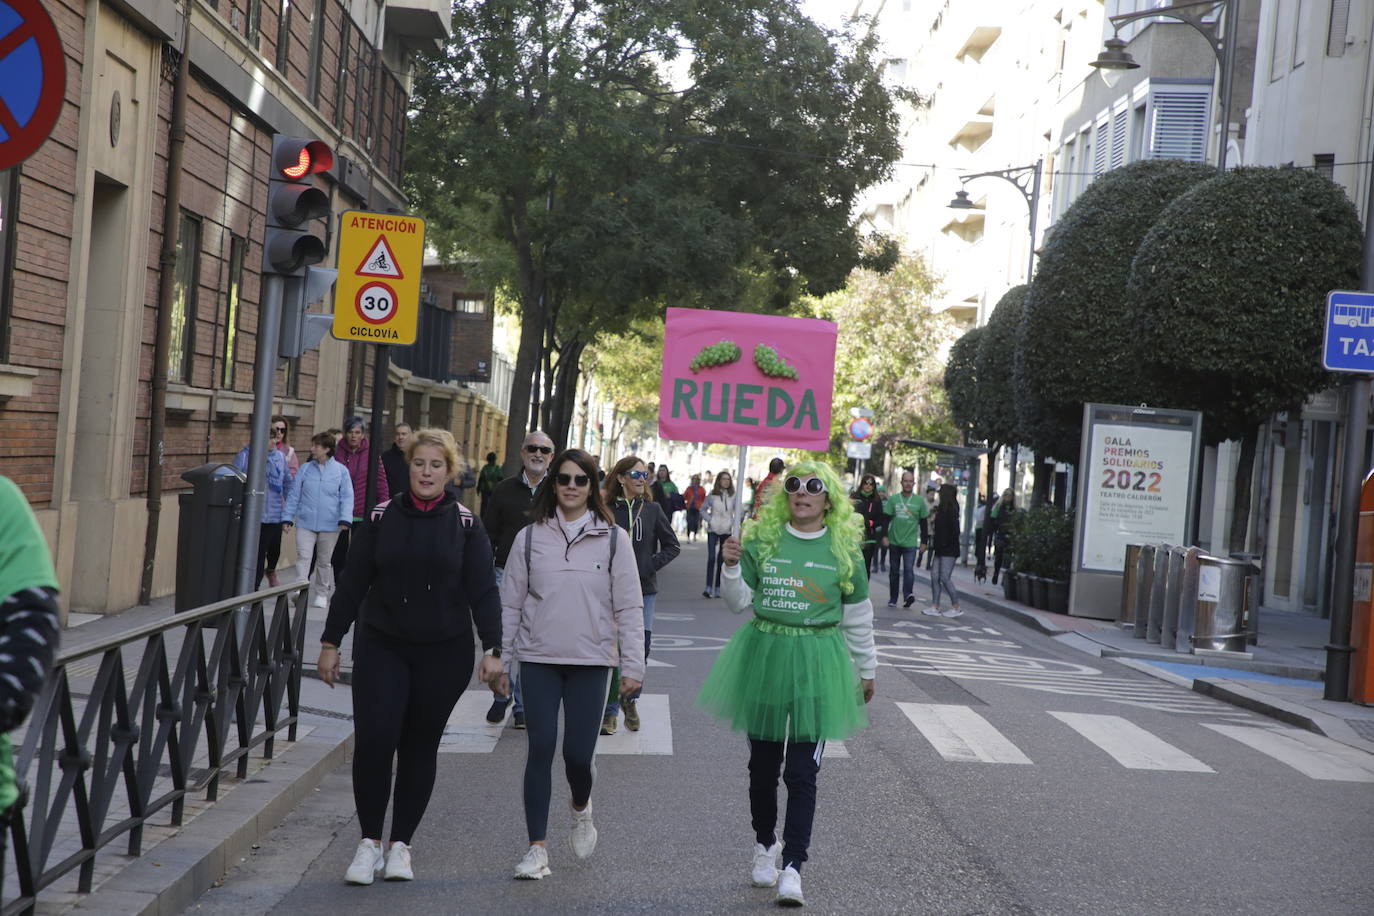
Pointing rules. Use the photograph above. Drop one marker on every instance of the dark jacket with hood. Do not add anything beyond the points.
(506, 512)
(652, 536)
(418, 577)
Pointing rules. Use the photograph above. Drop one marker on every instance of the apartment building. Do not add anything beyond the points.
(83, 224)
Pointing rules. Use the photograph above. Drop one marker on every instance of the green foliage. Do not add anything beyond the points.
(627, 367)
(717, 354)
(996, 362)
(1041, 541)
(962, 383)
(1228, 292)
(1077, 343)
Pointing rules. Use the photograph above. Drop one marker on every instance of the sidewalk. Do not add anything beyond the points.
(1282, 679)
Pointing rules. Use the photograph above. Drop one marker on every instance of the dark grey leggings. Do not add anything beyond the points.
(581, 689)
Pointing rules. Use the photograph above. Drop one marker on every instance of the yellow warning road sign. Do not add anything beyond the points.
(377, 297)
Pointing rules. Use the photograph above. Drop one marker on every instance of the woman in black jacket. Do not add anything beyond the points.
(414, 570)
(631, 501)
(869, 504)
(944, 545)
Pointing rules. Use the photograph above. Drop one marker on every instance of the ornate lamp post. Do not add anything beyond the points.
(1026, 178)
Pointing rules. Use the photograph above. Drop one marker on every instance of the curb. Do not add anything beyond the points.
(1024, 616)
(171, 876)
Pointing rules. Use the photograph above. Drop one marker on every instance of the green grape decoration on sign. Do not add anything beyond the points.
(717, 354)
(773, 365)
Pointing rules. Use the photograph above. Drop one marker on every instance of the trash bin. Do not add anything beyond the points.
(1144, 581)
(211, 515)
(1173, 593)
(1130, 575)
(1253, 582)
(1158, 586)
(1186, 619)
(1219, 623)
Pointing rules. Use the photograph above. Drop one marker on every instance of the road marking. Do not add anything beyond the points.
(655, 735)
(836, 750)
(655, 663)
(1312, 755)
(1130, 745)
(958, 733)
(468, 731)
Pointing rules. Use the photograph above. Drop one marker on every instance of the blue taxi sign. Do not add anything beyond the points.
(1348, 342)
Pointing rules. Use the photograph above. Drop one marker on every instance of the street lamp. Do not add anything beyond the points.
(1026, 178)
(1202, 15)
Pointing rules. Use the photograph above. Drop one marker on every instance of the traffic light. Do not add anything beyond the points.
(293, 202)
(302, 329)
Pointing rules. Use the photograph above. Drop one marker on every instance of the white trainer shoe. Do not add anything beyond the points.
(933, 612)
(789, 888)
(583, 832)
(398, 866)
(766, 861)
(954, 612)
(368, 862)
(320, 601)
(534, 865)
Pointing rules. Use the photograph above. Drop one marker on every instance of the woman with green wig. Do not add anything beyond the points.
(800, 671)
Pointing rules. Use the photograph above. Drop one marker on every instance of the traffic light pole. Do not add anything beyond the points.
(264, 375)
(381, 365)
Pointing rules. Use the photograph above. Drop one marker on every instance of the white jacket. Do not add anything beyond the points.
(719, 512)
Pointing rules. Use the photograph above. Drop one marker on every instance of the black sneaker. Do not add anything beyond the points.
(498, 709)
(910, 600)
(517, 720)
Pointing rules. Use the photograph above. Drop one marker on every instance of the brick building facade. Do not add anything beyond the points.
(80, 237)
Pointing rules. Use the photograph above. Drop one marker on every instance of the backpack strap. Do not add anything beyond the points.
(380, 509)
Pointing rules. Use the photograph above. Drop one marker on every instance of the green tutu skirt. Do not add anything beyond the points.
(775, 682)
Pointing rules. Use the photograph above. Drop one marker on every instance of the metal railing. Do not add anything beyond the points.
(102, 754)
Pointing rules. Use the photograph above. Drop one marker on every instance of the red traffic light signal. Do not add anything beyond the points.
(295, 157)
(293, 202)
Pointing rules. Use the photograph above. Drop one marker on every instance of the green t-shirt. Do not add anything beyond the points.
(800, 586)
(907, 511)
(24, 558)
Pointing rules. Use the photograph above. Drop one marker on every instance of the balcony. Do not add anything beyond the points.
(420, 23)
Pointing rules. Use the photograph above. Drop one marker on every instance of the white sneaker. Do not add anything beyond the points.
(789, 888)
(954, 612)
(368, 862)
(933, 612)
(583, 832)
(320, 601)
(398, 863)
(535, 865)
(766, 861)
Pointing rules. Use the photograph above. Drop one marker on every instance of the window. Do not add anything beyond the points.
(341, 83)
(1336, 28)
(1085, 161)
(469, 305)
(184, 293)
(1324, 164)
(1299, 34)
(252, 27)
(1178, 123)
(1140, 137)
(238, 246)
(284, 37)
(312, 77)
(1278, 48)
(1104, 145)
(1118, 154)
(9, 208)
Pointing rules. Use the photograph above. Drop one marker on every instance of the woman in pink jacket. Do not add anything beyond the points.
(571, 612)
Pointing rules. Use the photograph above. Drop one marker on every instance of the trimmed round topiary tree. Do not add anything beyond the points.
(962, 385)
(1228, 298)
(996, 367)
(1076, 343)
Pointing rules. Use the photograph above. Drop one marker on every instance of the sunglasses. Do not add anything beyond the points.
(546, 449)
(580, 480)
(814, 485)
(279, 429)
(637, 475)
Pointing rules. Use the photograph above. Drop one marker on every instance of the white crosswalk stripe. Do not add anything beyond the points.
(1130, 745)
(655, 735)
(958, 733)
(468, 731)
(1312, 755)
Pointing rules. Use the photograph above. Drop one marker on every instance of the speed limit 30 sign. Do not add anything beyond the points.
(377, 297)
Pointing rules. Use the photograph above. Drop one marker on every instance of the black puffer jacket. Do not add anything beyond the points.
(418, 577)
(946, 530)
(655, 543)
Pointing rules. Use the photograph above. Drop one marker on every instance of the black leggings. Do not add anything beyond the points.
(799, 762)
(269, 550)
(582, 691)
(403, 695)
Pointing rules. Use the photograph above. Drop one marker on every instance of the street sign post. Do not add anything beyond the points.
(861, 429)
(861, 450)
(1348, 343)
(377, 297)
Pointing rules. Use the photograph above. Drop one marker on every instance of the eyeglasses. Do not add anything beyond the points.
(579, 480)
(279, 429)
(546, 449)
(637, 475)
(814, 485)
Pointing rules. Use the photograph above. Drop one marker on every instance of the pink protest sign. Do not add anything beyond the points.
(747, 379)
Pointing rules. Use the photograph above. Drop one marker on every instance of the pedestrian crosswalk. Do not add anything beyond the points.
(960, 734)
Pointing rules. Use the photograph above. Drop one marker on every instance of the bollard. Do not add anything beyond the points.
(1168, 623)
(1158, 586)
(1145, 577)
(1187, 601)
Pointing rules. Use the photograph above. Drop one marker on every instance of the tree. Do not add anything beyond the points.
(627, 367)
(1227, 296)
(625, 155)
(962, 385)
(996, 362)
(1076, 342)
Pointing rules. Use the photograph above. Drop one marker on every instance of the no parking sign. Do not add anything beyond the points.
(33, 79)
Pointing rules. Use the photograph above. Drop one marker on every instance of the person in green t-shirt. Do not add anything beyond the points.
(800, 671)
(907, 513)
(487, 479)
(28, 628)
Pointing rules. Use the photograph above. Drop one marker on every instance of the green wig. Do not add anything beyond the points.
(846, 525)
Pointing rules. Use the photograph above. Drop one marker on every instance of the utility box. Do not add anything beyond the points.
(208, 534)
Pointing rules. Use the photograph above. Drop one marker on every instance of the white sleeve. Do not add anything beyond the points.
(737, 593)
(857, 627)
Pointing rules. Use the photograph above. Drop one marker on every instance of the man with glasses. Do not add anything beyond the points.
(506, 512)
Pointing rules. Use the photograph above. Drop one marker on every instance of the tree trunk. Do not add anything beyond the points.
(526, 365)
(1042, 478)
(1245, 472)
(561, 401)
(993, 449)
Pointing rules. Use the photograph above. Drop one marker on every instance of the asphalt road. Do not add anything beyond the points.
(1004, 772)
